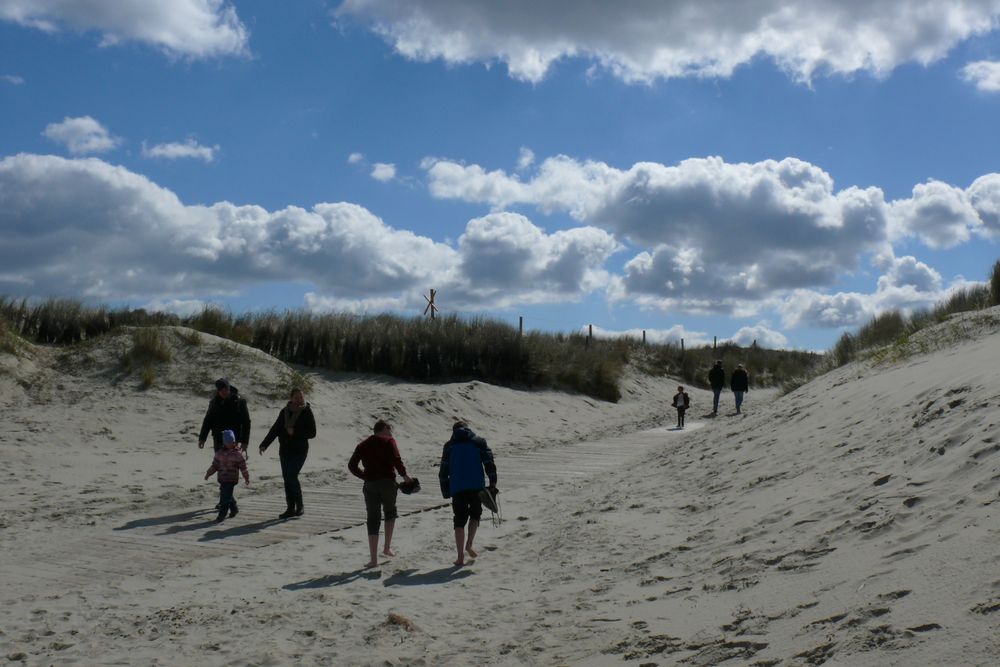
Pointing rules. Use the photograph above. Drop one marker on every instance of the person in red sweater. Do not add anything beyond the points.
(229, 463)
(376, 460)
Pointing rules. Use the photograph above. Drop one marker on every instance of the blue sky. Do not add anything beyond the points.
(770, 171)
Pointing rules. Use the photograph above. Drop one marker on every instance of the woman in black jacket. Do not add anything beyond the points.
(293, 428)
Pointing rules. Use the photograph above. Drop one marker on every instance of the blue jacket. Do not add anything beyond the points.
(465, 458)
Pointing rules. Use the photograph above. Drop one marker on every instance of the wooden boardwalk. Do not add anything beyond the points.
(156, 544)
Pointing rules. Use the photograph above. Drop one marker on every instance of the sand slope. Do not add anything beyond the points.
(851, 522)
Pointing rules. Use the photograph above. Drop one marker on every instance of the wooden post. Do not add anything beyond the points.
(682, 346)
(644, 338)
(715, 341)
(590, 333)
(520, 325)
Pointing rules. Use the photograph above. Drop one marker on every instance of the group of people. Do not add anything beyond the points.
(739, 383)
(467, 467)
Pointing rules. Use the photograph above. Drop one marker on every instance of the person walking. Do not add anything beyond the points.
(466, 463)
(294, 427)
(740, 384)
(376, 460)
(226, 411)
(229, 462)
(717, 380)
(682, 402)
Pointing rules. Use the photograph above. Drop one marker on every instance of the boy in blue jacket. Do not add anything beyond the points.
(465, 458)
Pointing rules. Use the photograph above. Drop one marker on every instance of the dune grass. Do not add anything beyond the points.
(447, 349)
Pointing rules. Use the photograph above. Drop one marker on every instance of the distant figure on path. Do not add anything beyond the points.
(379, 456)
(740, 384)
(682, 402)
(717, 380)
(293, 428)
(465, 458)
(226, 411)
(229, 463)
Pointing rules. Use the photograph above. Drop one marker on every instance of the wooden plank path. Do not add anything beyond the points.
(156, 544)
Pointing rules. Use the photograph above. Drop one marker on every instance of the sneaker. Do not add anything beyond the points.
(233, 511)
(287, 514)
(220, 518)
(298, 511)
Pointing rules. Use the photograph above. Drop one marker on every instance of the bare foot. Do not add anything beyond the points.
(459, 563)
(371, 563)
(472, 552)
(387, 552)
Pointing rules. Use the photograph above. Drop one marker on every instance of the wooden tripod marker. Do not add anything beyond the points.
(430, 304)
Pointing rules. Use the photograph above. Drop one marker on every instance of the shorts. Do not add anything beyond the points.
(466, 505)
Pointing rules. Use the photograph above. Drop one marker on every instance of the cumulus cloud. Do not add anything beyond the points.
(672, 336)
(939, 214)
(12, 79)
(907, 285)
(81, 135)
(185, 28)
(355, 158)
(985, 74)
(647, 40)
(190, 149)
(760, 334)
(525, 158)
(984, 195)
(715, 234)
(383, 172)
(83, 227)
(182, 307)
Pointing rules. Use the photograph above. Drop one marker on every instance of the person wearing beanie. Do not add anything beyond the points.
(229, 462)
(226, 410)
(293, 428)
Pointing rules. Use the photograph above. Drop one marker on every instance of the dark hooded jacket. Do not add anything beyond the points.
(740, 381)
(717, 378)
(229, 414)
(303, 429)
(463, 461)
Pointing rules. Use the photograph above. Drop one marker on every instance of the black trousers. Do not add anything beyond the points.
(291, 466)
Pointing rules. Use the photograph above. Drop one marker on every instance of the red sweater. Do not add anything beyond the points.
(379, 455)
(230, 463)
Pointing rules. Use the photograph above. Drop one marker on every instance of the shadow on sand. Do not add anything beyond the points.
(170, 518)
(241, 529)
(335, 579)
(442, 576)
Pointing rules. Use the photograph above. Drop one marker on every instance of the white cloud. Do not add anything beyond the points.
(383, 172)
(716, 235)
(182, 307)
(186, 28)
(938, 214)
(525, 158)
(355, 158)
(85, 228)
(984, 195)
(673, 336)
(760, 334)
(985, 74)
(646, 40)
(190, 149)
(907, 285)
(81, 135)
(12, 79)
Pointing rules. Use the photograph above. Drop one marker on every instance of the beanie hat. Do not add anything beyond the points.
(228, 437)
(222, 383)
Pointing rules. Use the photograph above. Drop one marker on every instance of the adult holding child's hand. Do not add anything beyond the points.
(293, 428)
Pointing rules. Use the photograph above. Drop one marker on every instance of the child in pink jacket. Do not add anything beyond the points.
(229, 463)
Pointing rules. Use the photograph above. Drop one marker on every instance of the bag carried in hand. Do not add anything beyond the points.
(489, 500)
(409, 487)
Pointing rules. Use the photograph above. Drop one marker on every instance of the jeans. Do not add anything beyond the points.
(291, 466)
(716, 393)
(227, 501)
(738, 396)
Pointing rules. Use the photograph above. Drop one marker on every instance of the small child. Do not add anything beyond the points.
(682, 402)
(229, 463)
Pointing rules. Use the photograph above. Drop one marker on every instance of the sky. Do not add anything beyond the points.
(778, 172)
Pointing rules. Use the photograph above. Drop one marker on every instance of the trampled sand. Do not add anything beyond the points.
(851, 522)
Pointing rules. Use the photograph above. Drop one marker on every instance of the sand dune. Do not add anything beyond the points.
(851, 522)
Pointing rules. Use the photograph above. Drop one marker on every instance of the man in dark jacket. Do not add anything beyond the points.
(740, 384)
(717, 380)
(226, 411)
(463, 462)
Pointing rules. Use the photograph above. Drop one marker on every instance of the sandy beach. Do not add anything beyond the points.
(850, 522)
